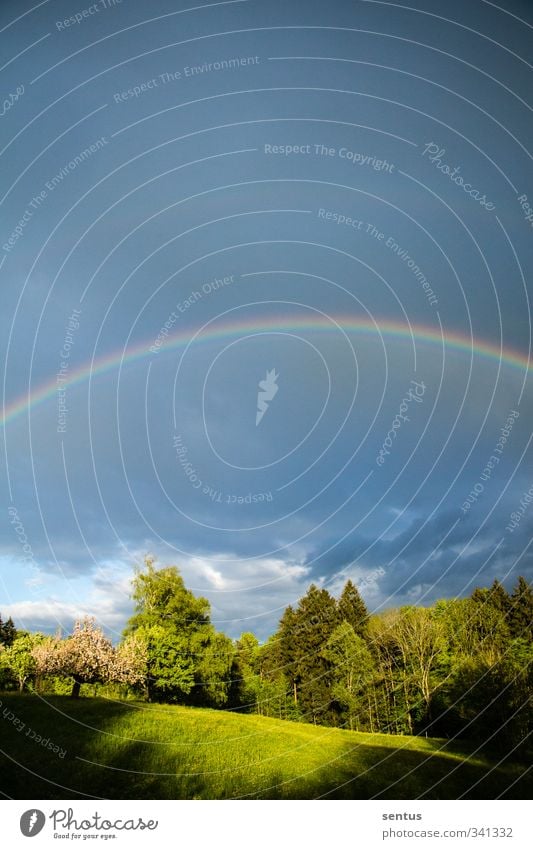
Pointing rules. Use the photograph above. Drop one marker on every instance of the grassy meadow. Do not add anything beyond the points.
(68, 749)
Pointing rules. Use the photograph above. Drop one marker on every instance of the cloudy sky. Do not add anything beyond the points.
(266, 280)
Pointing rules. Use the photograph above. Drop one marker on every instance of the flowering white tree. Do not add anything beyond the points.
(88, 657)
(130, 661)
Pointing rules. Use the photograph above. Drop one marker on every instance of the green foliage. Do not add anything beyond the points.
(303, 637)
(161, 598)
(57, 685)
(247, 648)
(273, 683)
(245, 680)
(187, 660)
(7, 679)
(8, 632)
(461, 667)
(352, 609)
(353, 670)
(19, 659)
(406, 665)
(171, 665)
(521, 611)
(490, 702)
(215, 653)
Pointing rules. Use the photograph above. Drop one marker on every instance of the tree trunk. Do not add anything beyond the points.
(377, 709)
(407, 708)
(370, 714)
(75, 690)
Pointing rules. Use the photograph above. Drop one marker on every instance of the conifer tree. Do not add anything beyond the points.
(521, 610)
(8, 632)
(492, 608)
(316, 617)
(286, 651)
(352, 609)
(499, 598)
(353, 668)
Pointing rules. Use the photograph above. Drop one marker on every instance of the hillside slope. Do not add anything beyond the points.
(61, 748)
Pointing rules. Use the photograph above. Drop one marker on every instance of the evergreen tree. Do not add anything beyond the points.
(480, 595)
(353, 669)
(521, 610)
(285, 651)
(8, 632)
(352, 609)
(499, 598)
(489, 619)
(315, 619)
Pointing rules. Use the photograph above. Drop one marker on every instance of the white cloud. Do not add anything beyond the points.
(104, 595)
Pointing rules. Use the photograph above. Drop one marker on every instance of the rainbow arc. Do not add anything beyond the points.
(420, 334)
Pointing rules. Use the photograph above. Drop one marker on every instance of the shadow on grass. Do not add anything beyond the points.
(30, 728)
(102, 760)
(384, 773)
(97, 758)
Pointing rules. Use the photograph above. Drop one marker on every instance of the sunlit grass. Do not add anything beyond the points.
(136, 750)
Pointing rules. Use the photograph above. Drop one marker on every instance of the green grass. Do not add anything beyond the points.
(129, 750)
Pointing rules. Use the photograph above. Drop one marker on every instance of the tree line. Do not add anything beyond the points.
(459, 667)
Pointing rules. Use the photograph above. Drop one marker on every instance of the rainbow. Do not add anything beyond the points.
(416, 334)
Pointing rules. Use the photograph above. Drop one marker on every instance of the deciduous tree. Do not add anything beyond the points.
(88, 657)
(19, 657)
(187, 660)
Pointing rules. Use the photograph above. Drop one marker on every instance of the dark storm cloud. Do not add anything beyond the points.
(293, 178)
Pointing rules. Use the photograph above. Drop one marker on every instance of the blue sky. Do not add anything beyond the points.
(337, 193)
